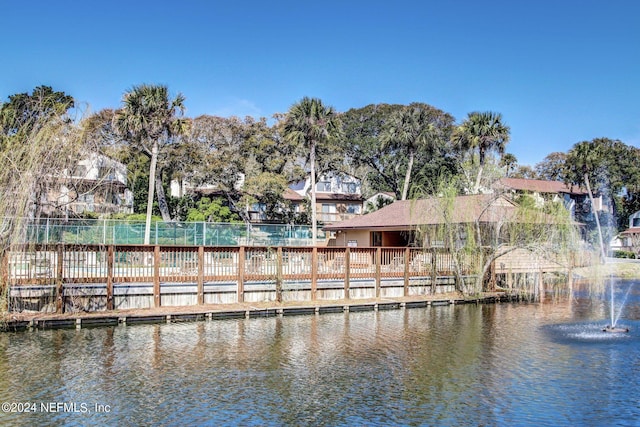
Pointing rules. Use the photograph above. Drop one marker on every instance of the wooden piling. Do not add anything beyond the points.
(347, 272)
(314, 273)
(156, 276)
(60, 279)
(241, 260)
(378, 271)
(110, 257)
(407, 260)
(279, 274)
(200, 275)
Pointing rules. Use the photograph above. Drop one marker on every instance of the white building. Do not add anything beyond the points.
(338, 196)
(97, 184)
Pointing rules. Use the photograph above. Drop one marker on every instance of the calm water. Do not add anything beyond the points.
(504, 364)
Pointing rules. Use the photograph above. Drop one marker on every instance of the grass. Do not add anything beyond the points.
(622, 270)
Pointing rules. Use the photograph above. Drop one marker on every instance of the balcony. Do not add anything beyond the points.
(333, 217)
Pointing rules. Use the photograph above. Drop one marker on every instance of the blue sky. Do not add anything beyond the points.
(559, 71)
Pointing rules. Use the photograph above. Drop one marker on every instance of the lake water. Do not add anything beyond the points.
(491, 365)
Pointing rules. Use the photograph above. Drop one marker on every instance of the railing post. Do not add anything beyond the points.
(241, 259)
(378, 256)
(434, 270)
(156, 276)
(201, 275)
(60, 279)
(110, 256)
(314, 273)
(347, 271)
(279, 274)
(407, 258)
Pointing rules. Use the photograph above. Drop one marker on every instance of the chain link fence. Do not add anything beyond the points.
(123, 232)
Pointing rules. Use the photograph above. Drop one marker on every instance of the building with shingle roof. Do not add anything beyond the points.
(397, 224)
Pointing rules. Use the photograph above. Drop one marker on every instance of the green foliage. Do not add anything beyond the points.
(510, 164)
(379, 203)
(248, 160)
(613, 170)
(150, 122)
(417, 127)
(481, 132)
(379, 150)
(526, 201)
(624, 254)
(136, 217)
(212, 211)
(24, 112)
(315, 128)
(268, 189)
(552, 167)
(545, 231)
(525, 172)
(38, 140)
(484, 132)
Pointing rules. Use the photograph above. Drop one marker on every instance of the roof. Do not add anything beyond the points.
(632, 230)
(538, 186)
(292, 195)
(404, 214)
(339, 196)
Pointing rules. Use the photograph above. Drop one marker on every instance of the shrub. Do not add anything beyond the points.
(624, 254)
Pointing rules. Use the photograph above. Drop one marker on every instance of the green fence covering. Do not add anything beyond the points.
(120, 232)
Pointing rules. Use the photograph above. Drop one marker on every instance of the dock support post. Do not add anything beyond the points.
(60, 279)
(200, 275)
(110, 256)
(156, 276)
(314, 273)
(279, 274)
(434, 271)
(378, 256)
(241, 259)
(347, 271)
(407, 258)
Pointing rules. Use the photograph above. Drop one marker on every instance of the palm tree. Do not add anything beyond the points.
(585, 157)
(509, 162)
(484, 132)
(147, 120)
(310, 123)
(414, 128)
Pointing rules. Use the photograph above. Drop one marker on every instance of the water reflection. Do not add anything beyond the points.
(465, 365)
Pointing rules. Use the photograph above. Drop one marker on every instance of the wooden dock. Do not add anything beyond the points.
(78, 320)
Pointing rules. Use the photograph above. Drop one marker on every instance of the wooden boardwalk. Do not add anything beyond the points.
(77, 320)
(61, 278)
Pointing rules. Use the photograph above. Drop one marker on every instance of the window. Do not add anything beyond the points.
(636, 222)
(376, 238)
(328, 212)
(328, 208)
(323, 186)
(349, 188)
(354, 209)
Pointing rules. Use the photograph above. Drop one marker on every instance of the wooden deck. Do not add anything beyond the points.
(63, 278)
(28, 321)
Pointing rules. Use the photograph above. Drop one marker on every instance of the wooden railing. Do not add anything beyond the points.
(64, 265)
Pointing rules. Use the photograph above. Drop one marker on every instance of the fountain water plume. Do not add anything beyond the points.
(616, 317)
(614, 321)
